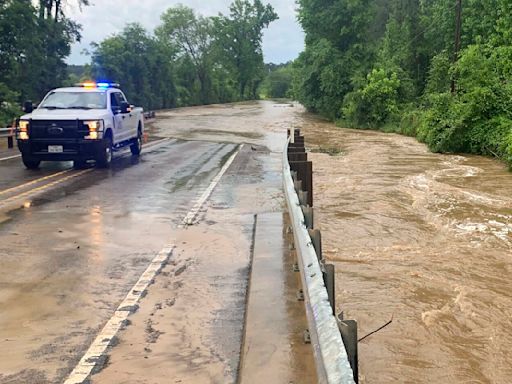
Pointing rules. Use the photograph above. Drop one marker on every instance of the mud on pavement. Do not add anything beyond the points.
(189, 325)
(72, 253)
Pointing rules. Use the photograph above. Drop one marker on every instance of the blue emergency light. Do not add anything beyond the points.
(103, 85)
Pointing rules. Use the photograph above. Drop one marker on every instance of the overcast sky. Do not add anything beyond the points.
(283, 40)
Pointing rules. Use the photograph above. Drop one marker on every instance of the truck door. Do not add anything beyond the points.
(121, 120)
(132, 125)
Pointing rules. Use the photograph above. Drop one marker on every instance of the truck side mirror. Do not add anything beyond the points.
(125, 107)
(28, 107)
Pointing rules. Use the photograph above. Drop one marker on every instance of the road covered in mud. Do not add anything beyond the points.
(421, 238)
(75, 245)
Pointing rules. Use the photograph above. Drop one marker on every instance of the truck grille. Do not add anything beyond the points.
(57, 129)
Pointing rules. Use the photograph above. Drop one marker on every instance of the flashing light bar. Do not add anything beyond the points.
(91, 84)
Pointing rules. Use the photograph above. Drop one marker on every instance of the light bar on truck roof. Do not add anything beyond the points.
(92, 84)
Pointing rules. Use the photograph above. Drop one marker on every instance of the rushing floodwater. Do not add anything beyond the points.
(423, 238)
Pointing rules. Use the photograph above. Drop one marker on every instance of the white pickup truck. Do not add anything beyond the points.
(86, 122)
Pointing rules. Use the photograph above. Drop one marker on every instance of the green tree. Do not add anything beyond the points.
(191, 36)
(35, 39)
(239, 38)
(339, 51)
(140, 64)
(9, 108)
(278, 81)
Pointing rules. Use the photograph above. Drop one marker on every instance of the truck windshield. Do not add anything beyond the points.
(75, 100)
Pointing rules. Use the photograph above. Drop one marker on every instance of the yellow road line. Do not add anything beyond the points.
(45, 187)
(34, 182)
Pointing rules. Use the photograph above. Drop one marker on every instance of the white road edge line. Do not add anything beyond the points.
(191, 216)
(95, 355)
(10, 158)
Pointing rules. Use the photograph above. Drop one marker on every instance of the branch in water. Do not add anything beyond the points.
(377, 330)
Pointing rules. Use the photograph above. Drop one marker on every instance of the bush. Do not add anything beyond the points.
(375, 103)
(478, 118)
(9, 108)
(411, 119)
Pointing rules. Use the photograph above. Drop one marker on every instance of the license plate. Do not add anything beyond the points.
(55, 149)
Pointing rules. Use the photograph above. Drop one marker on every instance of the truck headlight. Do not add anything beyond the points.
(95, 129)
(23, 130)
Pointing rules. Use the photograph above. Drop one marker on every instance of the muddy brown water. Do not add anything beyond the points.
(424, 239)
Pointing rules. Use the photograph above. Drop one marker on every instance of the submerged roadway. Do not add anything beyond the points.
(76, 246)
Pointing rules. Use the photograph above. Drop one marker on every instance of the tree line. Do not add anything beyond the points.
(395, 65)
(35, 39)
(188, 59)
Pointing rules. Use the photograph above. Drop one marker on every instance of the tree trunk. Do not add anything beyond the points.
(57, 9)
(243, 85)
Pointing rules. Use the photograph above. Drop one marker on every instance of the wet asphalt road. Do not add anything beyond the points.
(70, 253)
(74, 242)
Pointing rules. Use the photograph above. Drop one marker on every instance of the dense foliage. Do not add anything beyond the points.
(278, 81)
(188, 60)
(35, 39)
(390, 65)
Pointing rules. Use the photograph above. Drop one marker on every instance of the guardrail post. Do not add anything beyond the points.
(316, 239)
(299, 140)
(298, 186)
(304, 171)
(329, 280)
(297, 156)
(348, 330)
(303, 198)
(308, 216)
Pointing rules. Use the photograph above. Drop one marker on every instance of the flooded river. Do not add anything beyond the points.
(424, 239)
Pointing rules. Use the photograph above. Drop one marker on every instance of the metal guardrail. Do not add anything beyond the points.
(8, 133)
(330, 336)
(149, 115)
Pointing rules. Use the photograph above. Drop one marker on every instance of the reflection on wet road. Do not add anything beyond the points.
(425, 238)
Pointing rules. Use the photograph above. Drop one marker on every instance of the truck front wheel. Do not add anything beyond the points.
(30, 163)
(106, 153)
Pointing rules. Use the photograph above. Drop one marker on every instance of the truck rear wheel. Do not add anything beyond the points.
(31, 163)
(136, 147)
(105, 157)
